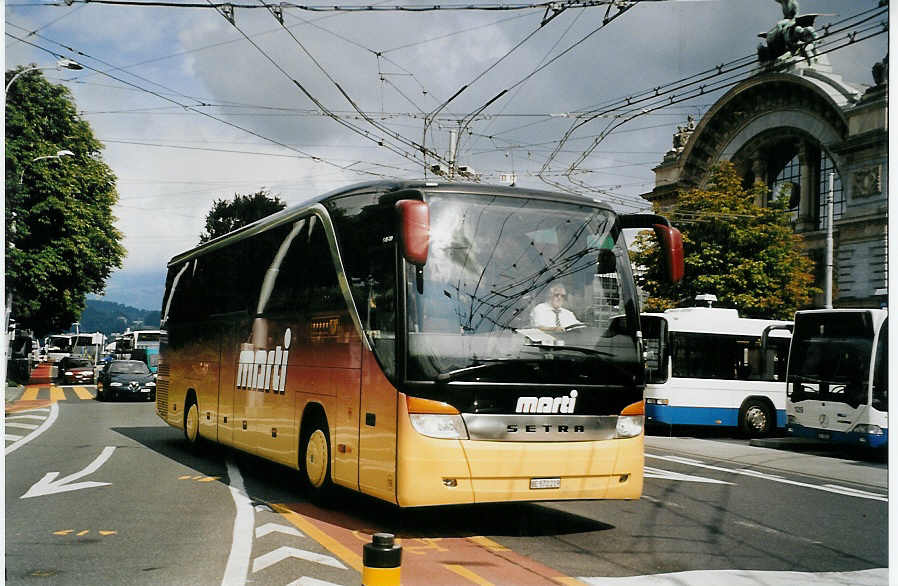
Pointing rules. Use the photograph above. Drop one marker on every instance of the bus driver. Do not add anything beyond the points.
(550, 316)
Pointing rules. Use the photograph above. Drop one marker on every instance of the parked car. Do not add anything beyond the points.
(74, 370)
(130, 379)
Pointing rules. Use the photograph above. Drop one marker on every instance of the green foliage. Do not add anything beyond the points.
(61, 242)
(745, 254)
(226, 216)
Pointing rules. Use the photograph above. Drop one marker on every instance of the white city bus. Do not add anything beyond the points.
(838, 376)
(708, 366)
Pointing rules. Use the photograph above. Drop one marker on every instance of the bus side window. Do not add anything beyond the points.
(881, 370)
(654, 332)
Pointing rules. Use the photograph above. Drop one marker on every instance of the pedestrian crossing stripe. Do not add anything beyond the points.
(36, 392)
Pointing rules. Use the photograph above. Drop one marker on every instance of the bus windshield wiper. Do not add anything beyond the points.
(450, 376)
(591, 351)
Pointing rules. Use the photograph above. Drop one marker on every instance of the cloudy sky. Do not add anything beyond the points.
(193, 108)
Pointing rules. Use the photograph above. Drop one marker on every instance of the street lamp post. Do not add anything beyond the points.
(61, 64)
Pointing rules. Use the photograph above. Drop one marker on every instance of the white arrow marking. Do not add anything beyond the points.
(306, 581)
(272, 527)
(282, 553)
(668, 475)
(48, 484)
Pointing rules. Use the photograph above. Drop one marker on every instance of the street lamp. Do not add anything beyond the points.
(61, 64)
(58, 155)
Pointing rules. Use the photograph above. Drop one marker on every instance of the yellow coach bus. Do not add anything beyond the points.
(423, 343)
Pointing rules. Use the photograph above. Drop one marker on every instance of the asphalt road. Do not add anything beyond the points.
(105, 493)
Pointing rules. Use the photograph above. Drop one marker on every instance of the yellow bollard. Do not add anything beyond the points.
(381, 561)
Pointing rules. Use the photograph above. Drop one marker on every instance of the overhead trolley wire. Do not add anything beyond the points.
(556, 6)
(657, 101)
(207, 115)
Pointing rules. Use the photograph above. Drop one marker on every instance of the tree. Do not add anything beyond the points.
(61, 242)
(745, 254)
(226, 216)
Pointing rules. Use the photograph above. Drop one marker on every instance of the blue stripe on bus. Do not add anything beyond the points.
(840, 437)
(717, 416)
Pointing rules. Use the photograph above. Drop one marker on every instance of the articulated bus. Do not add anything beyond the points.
(381, 338)
(147, 341)
(838, 376)
(710, 367)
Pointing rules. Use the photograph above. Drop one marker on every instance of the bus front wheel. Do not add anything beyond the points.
(192, 422)
(316, 459)
(756, 419)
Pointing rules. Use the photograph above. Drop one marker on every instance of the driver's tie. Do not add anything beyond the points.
(557, 319)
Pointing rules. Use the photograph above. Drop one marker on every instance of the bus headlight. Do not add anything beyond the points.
(115, 384)
(629, 425)
(867, 429)
(439, 426)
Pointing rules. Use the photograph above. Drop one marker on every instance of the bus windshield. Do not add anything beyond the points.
(522, 290)
(830, 358)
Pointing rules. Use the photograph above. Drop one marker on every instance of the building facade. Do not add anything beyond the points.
(791, 129)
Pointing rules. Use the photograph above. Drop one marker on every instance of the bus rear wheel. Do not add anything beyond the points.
(192, 422)
(316, 460)
(756, 418)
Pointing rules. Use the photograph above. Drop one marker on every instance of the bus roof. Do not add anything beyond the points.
(718, 320)
(290, 213)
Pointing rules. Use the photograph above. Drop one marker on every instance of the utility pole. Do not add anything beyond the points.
(828, 278)
(453, 145)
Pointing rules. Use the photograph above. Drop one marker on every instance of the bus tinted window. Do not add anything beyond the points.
(718, 356)
(364, 224)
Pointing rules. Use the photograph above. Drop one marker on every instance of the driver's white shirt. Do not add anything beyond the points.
(543, 316)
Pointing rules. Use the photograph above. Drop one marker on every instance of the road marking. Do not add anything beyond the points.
(307, 581)
(57, 394)
(284, 552)
(82, 393)
(242, 540)
(468, 574)
(348, 556)
(21, 425)
(487, 543)
(754, 474)
(53, 414)
(30, 394)
(874, 577)
(36, 417)
(48, 484)
(668, 475)
(267, 528)
(11, 437)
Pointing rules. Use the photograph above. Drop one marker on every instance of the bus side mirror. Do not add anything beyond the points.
(414, 230)
(669, 239)
(672, 244)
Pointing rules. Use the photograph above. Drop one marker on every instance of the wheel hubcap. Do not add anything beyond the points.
(193, 422)
(316, 458)
(757, 419)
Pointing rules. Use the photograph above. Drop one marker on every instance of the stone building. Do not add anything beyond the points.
(790, 128)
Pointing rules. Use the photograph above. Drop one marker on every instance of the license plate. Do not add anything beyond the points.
(536, 483)
(824, 436)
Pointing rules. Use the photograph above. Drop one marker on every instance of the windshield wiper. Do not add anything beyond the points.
(591, 351)
(450, 376)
